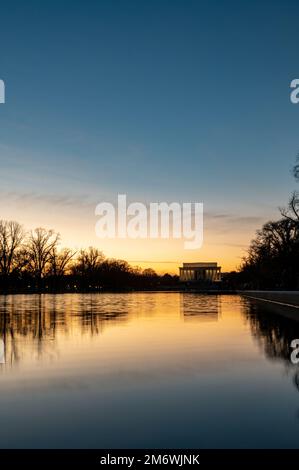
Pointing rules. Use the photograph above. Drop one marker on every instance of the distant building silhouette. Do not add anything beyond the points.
(200, 272)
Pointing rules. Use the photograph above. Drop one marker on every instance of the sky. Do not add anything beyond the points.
(159, 100)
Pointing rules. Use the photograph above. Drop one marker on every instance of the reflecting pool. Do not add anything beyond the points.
(150, 370)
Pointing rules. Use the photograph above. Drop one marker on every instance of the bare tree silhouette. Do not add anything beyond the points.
(33, 262)
(59, 261)
(40, 245)
(11, 237)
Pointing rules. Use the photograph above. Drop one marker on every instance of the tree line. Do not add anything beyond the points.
(272, 260)
(33, 261)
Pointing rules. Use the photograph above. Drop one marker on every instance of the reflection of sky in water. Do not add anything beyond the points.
(145, 370)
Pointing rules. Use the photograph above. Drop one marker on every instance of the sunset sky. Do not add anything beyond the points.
(160, 100)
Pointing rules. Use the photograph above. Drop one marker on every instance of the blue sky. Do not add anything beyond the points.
(161, 100)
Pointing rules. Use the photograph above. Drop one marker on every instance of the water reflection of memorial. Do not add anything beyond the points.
(203, 308)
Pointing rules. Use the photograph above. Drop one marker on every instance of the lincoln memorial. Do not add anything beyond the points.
(198, 272)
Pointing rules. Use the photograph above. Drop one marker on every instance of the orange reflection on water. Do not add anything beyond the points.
(50, 335)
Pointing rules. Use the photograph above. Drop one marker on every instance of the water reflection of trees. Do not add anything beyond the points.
(274, 334)
(36, 320)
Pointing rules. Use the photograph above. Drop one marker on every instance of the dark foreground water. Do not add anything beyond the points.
(145, 370)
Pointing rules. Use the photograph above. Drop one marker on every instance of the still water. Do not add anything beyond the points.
(145, 370)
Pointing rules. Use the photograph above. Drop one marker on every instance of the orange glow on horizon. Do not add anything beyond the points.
(77, 229)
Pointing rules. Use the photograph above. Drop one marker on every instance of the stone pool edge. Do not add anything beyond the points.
(285, 303)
